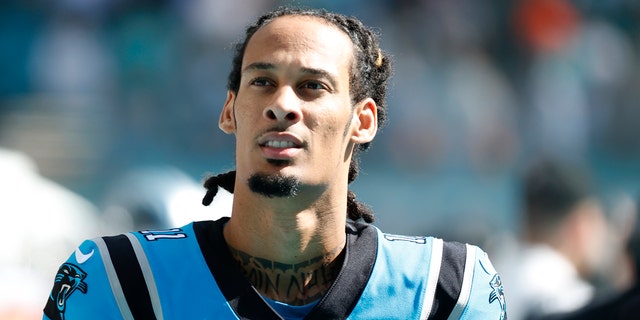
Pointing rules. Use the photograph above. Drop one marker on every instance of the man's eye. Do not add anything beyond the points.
(260, 82)
(313, 86)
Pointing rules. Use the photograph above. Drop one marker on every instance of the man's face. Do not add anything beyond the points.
(292, 115)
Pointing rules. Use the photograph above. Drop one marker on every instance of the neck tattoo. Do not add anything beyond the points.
(295, 284)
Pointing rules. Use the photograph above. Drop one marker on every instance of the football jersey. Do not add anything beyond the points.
(188, 273)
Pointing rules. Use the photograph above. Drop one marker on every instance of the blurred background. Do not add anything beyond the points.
(115, 104)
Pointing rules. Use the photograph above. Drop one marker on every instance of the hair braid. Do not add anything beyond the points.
(355, 209)
(225, 180)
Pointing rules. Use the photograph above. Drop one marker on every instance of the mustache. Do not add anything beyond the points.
(276, 128)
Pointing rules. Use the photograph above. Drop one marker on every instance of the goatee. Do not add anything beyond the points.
(274, 185)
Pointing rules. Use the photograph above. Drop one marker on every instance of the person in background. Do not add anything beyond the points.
(622, 306)
(306, 94)
(563, 236)
(33, 211)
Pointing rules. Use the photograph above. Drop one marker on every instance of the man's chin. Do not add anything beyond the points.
(274, 185)
(279, 162)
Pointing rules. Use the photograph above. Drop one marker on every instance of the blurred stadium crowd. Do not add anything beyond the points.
(117, 102)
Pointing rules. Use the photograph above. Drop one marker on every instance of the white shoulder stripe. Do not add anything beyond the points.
(147, 274)
(432, 280)
(465, 290)
(118, 294)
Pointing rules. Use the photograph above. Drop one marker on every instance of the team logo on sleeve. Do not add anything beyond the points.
(497, 293)
(497, 290)
(69, 279)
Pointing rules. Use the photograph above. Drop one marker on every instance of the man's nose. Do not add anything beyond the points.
(285, 106)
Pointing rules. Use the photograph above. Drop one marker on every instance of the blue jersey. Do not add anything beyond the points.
(188, 273)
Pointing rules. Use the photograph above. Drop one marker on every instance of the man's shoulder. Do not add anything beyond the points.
(458, 278)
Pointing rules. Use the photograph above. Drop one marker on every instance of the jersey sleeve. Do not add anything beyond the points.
(81, 288)
(486, 298)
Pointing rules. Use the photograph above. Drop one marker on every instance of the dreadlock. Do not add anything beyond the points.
(225, 180)
(368, 78)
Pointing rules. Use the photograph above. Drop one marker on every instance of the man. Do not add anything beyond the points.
(565, 229)
(626, 304)
(27, 254)
(306, 92)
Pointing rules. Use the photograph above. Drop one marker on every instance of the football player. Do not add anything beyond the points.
(306, 93)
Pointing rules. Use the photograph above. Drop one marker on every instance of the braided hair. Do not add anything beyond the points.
(368, 78)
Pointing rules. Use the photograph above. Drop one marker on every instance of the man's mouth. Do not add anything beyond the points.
(279, 144)
(276, 149)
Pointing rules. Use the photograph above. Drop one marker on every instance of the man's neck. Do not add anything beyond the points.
(286, 230)
(296, 284)
(288, 248)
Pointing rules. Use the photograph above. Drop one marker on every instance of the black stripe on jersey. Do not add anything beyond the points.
(360, 256)
(454, 256)
(247, 303)
(242, 297)
(125, 263)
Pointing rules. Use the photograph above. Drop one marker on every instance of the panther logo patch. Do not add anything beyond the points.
(68, 279)
(498, 294)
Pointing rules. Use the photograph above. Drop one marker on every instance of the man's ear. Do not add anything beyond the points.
(365, 121)
(227, 121)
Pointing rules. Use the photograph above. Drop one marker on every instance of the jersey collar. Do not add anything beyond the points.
(247, 303)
